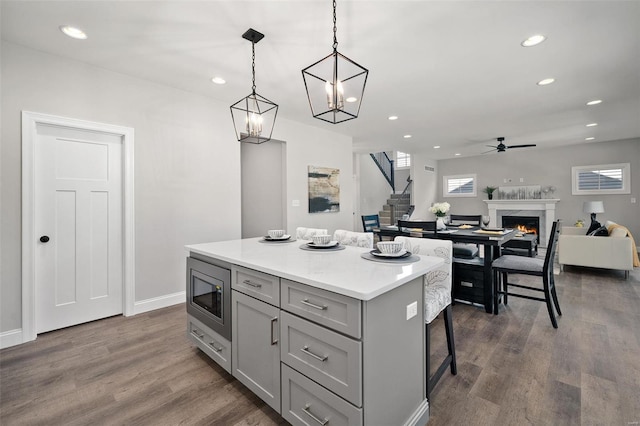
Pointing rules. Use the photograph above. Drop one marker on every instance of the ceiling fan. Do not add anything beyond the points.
(501, 147)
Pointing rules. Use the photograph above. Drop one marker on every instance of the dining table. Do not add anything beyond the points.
(492, 240)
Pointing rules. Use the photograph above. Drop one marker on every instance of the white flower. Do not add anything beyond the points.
(440, 209)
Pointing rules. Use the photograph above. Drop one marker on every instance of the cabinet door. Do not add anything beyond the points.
(255, 348)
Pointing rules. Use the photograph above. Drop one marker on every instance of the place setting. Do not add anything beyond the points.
(390, 252)
(277, 236)
(322, 243)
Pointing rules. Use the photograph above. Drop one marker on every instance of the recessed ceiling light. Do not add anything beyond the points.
(351, 99)
(589, 139)
(595, 102)
(533, 40)
(73, 32)
(592, 124)
(457, 153)
(218, 80)
(407, 136)
(393, 117)
(546, 81)
(436, 147)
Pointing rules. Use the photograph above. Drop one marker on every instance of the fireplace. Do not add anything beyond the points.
(545, 209)
(526, 224)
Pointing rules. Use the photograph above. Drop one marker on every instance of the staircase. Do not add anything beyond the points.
(396, 206)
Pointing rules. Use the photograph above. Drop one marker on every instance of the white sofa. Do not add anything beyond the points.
(612, 252)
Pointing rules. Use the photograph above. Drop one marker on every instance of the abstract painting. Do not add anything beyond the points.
(324, 189)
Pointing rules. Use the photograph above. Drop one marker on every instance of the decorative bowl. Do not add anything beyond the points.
(275, 233)
(321, 240)
(390, 247)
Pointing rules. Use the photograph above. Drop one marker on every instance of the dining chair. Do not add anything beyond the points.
(420, 225)
(369, 222)
(511, 264)
(437, 298)
(465, 250)
(306, 233)
(350, 238)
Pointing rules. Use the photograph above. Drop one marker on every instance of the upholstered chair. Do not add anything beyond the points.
(307, 233)
(437, 297)
(350, 238)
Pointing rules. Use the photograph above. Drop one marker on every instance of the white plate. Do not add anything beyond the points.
(284, 237)
(378, 253)
(331, 244)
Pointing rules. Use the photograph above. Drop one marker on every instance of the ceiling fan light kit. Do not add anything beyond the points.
(333, 80)
(254, 115)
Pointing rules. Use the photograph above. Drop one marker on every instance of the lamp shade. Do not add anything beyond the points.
(593, 207)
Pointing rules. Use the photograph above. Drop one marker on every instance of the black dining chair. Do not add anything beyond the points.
(464, 250)
(421, 225)
(510, 264)
(369, 222)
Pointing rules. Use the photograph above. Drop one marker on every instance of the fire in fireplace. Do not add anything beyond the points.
(526, 224)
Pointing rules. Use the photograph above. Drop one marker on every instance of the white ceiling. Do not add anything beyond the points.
(453, 71)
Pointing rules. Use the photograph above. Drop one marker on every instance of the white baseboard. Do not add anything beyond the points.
(159, 302)
(11, 338)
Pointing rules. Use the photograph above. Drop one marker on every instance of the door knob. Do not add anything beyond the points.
(44, 239)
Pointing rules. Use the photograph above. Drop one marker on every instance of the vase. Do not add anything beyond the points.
(440, 223)
(490, 195)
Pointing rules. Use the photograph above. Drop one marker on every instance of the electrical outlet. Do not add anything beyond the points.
(633, 200)
(521, 180)
(295, 203)
(412, 310)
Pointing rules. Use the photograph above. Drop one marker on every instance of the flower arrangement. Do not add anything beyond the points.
(440, 209)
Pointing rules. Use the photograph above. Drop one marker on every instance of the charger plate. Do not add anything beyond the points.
(408, 259)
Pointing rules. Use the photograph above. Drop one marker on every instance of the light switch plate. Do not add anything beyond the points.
(412, 310)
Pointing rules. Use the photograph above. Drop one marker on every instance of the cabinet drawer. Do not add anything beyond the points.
(215, 346)
(329, 358)
(307, 403)
(257, 284)
(341, 313)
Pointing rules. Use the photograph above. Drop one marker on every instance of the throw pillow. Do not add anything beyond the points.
(600, 232)
(595, 225)
(619, 232)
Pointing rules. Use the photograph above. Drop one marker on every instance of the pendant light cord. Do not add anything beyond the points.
(335, 28)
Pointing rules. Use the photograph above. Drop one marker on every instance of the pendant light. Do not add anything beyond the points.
(335, 85)
(253, 116)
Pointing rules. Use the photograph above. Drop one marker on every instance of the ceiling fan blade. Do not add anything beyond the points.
(522, 146)
(491, 150)
(492, 146)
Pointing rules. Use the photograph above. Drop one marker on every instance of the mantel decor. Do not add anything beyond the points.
(525, 192)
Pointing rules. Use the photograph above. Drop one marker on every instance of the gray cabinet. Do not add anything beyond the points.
(217, 347)
(255, 347)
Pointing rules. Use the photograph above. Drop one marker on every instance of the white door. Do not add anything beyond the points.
(78, 224)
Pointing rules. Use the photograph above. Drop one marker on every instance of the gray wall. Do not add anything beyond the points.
(551, 166)
(187, 165)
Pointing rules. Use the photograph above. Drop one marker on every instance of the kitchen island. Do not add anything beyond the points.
(324, 337)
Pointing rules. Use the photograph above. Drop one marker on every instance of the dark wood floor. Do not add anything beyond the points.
(513, 369)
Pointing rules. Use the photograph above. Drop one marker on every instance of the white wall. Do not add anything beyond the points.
(187, 165)
(552, 166)
(425, 186)
(374, 188)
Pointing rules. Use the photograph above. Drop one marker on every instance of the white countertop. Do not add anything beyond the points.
(342, 271)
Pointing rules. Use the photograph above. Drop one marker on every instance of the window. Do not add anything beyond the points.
(403, 160)
(459, 186)
(601, 179)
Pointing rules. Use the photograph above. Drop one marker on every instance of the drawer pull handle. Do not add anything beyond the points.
(310, 414)
(318, 357)
(313, 305)
(195, 333)
(252, 284)
(273, 340)
(212, 344)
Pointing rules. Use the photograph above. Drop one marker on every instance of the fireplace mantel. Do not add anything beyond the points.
(547, 205)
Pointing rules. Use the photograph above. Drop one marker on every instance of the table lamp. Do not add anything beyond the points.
(593, 207)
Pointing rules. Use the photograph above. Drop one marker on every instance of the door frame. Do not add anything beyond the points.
(29, 134)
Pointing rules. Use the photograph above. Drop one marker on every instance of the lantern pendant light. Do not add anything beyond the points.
(335, 85)
(253, 116)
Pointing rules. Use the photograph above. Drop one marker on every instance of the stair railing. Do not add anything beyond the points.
(385, 164)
